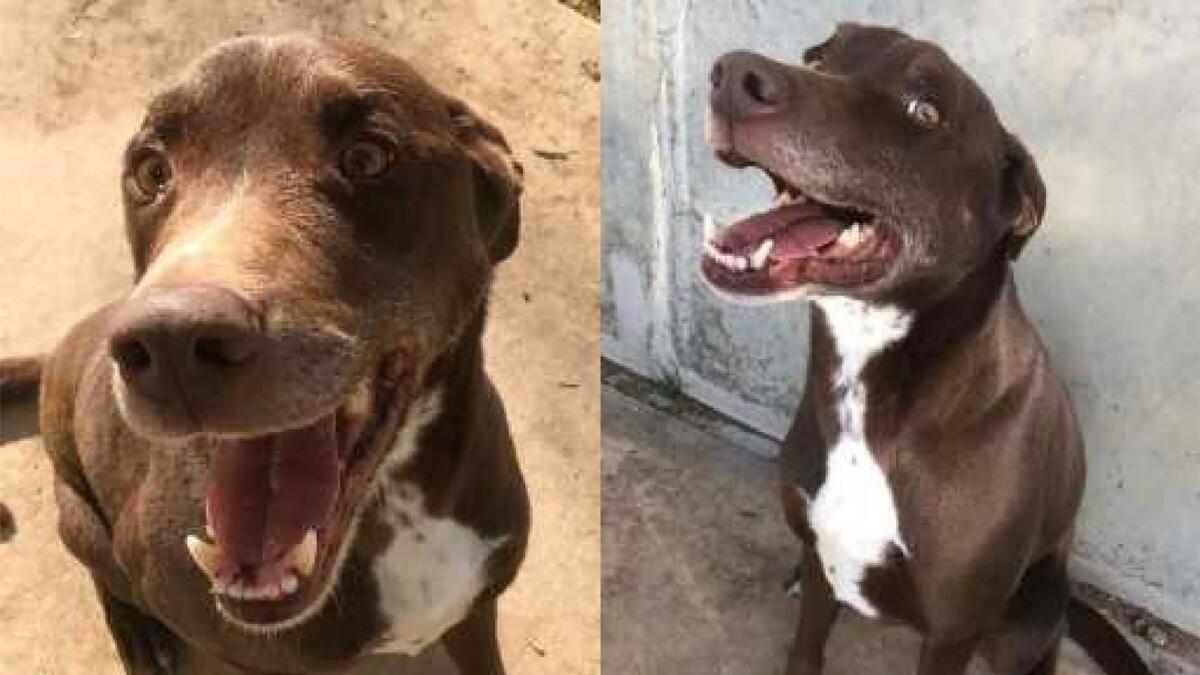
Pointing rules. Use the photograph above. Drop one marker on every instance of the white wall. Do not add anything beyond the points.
(1106, 93)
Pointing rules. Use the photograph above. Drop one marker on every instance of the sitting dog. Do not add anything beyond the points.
(935, 467)
(280, 451)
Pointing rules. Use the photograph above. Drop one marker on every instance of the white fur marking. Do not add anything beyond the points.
(854, 513)
(201, 241)
(435, 568)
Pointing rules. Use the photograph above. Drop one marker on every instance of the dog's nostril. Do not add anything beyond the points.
(717, 76)
(130, 354)
(221, 353)
(759, 89)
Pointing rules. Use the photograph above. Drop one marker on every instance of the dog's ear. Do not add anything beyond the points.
(1022, 196)
(499, 179)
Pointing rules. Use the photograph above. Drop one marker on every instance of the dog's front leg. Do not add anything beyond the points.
(946, 658)
(818, 611)
(472, 644)
(146, 647)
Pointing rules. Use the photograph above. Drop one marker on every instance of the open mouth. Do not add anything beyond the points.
(280, 506)
(799, 241)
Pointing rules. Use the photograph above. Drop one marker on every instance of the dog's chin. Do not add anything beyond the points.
(799, 246)
(282, 507)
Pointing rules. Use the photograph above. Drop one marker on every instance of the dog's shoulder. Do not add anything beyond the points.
(76, 356)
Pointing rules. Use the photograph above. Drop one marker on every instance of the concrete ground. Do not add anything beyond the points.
(73, 77)
(696, 556)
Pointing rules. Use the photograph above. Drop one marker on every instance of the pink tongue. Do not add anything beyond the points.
(264, 493)
(797, 229)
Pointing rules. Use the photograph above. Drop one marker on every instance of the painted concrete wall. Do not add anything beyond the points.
(1107, 95)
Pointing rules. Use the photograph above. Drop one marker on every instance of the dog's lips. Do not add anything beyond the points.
(797, 242)
(279, 506)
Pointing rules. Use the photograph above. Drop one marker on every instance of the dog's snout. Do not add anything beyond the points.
(184, 342)
(745, 84)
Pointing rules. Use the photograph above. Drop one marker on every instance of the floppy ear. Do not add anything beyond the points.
(1022, 196)
(499, 180)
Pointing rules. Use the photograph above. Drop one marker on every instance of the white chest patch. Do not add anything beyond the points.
(854, 513)
(434, 568)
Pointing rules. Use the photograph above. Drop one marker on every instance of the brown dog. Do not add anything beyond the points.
(935, 467)
(280, 451)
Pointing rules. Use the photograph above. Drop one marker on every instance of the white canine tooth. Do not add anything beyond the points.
(289, 584)
(220, 587)
(761, 253)
(359, 402)
(851, 236)
(236, 590)
(741, 263)
(711, 250)
(204, 553)
(304, 556)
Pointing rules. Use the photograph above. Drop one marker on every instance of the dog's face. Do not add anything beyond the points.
(894, 177)
(312, 225)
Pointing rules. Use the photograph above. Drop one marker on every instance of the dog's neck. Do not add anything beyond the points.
(903, 343)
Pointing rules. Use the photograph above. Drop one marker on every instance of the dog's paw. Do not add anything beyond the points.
(8, 526)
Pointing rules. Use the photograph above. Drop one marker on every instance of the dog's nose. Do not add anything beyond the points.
(745, 84)
(184, 342)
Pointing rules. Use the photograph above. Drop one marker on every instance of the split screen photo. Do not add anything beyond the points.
(541, 337)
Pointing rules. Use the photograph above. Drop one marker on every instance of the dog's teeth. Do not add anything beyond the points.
(220, 587)
(304, 557)
(205, 554)
(761, 253)
(359, 402)
(289, 584)
(711, 250)
(236, 590)
(851, 236)
(740, 263)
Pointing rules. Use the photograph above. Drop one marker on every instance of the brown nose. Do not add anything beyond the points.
(179, 345)
(745, 84)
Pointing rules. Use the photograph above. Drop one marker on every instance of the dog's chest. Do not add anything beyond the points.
(434, 568)
(853, 513)
(430, 574)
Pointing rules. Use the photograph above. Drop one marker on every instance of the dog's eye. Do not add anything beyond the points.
(151, 175)
(924, 112)
(365, 159)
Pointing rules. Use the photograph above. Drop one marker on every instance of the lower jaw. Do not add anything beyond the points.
(274, 615)
(791, 279)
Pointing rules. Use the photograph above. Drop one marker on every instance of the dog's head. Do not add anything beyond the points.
(894, 177)
(312, 225)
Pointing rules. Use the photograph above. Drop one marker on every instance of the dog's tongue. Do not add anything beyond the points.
(265, 493)
(798, 230)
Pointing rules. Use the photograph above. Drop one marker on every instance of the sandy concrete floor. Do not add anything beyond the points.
(696, 556)
(73, 75)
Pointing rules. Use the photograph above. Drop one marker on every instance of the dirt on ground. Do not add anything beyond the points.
(73, 77)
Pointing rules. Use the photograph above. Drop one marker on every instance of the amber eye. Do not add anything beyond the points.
(923, 112)
(151, 175)
(365, 159)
